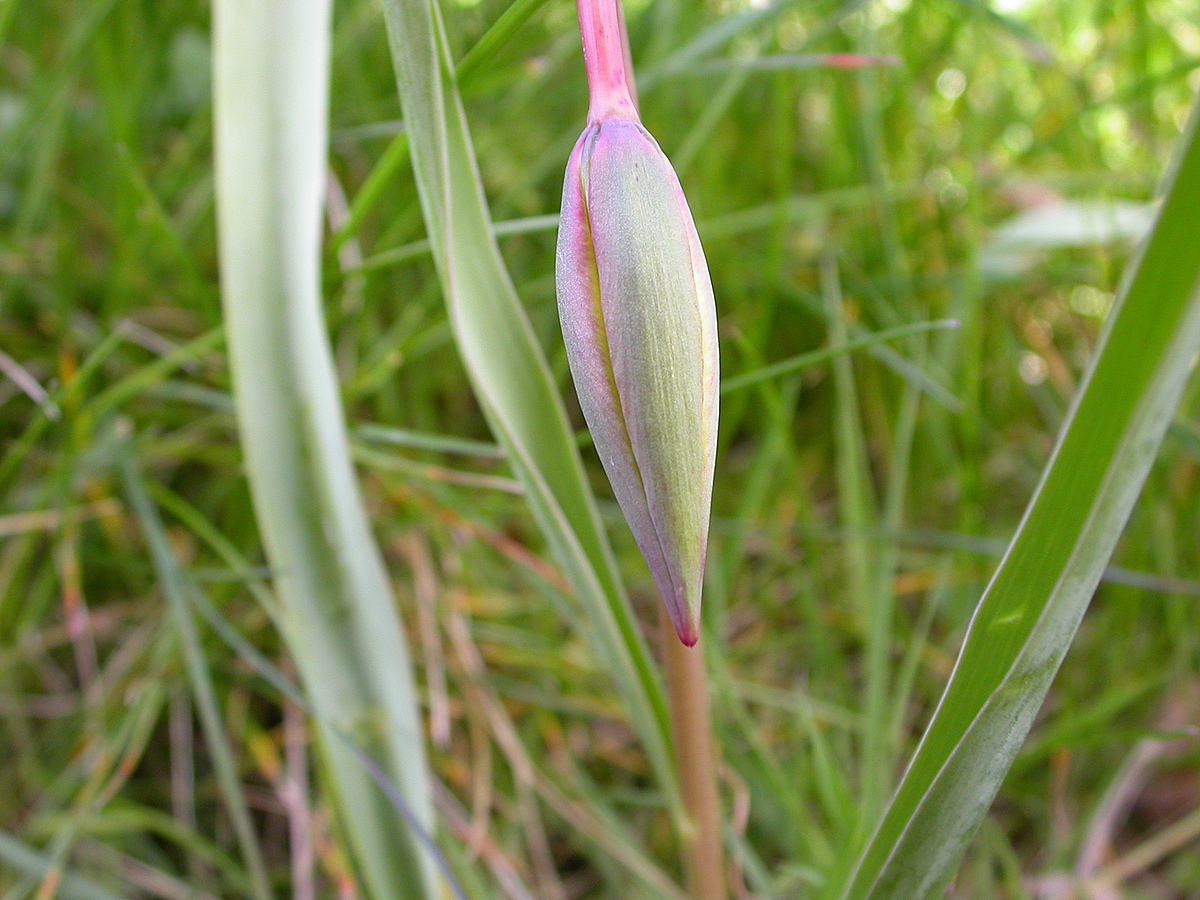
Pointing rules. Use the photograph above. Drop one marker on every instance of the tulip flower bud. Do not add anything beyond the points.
(639, 323)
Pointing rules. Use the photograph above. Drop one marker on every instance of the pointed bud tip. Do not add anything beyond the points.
(639, 326)
(687, 625)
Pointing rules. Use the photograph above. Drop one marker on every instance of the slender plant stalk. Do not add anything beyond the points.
(611, 87)
(612, 92)
(691, 729)
(639, 324)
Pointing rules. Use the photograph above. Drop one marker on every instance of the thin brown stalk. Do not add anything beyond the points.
(695, 753)
(541, 858)
(294, 795)
(524, 769)
(75, 609)
(415, 550)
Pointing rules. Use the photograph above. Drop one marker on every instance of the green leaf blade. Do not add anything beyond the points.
(1030, 612)
(338, 614)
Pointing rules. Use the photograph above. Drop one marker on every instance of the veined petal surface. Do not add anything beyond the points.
(639, 321)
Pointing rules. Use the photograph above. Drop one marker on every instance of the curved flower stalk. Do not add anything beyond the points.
(639, 323)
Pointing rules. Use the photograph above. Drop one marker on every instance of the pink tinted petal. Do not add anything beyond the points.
(659, 318)
(588, 354)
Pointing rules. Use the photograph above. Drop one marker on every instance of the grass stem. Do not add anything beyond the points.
(695, 753)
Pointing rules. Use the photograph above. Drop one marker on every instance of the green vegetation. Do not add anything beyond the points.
(912, 262)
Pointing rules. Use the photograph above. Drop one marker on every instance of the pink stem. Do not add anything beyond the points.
(606, 59)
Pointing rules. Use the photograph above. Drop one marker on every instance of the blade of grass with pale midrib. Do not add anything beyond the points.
(1030, 611)
(271, 95)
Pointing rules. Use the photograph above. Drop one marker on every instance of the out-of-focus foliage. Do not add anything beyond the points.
(859, 504)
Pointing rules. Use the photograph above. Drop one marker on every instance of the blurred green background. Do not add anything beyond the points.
(994, 166)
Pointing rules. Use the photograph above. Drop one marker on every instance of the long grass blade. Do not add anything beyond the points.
(495, 37)
(1032, 608)
(815, 357)
(338, 614)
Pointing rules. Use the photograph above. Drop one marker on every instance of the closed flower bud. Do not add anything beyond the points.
(639, 324)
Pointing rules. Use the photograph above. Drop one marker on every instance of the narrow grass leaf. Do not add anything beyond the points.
(816, 357)
(1032, 608)
(500, 32)
(417, 440)
(373, 188)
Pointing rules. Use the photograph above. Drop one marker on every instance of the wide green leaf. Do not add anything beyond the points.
(338, 613)
(1029, 613)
